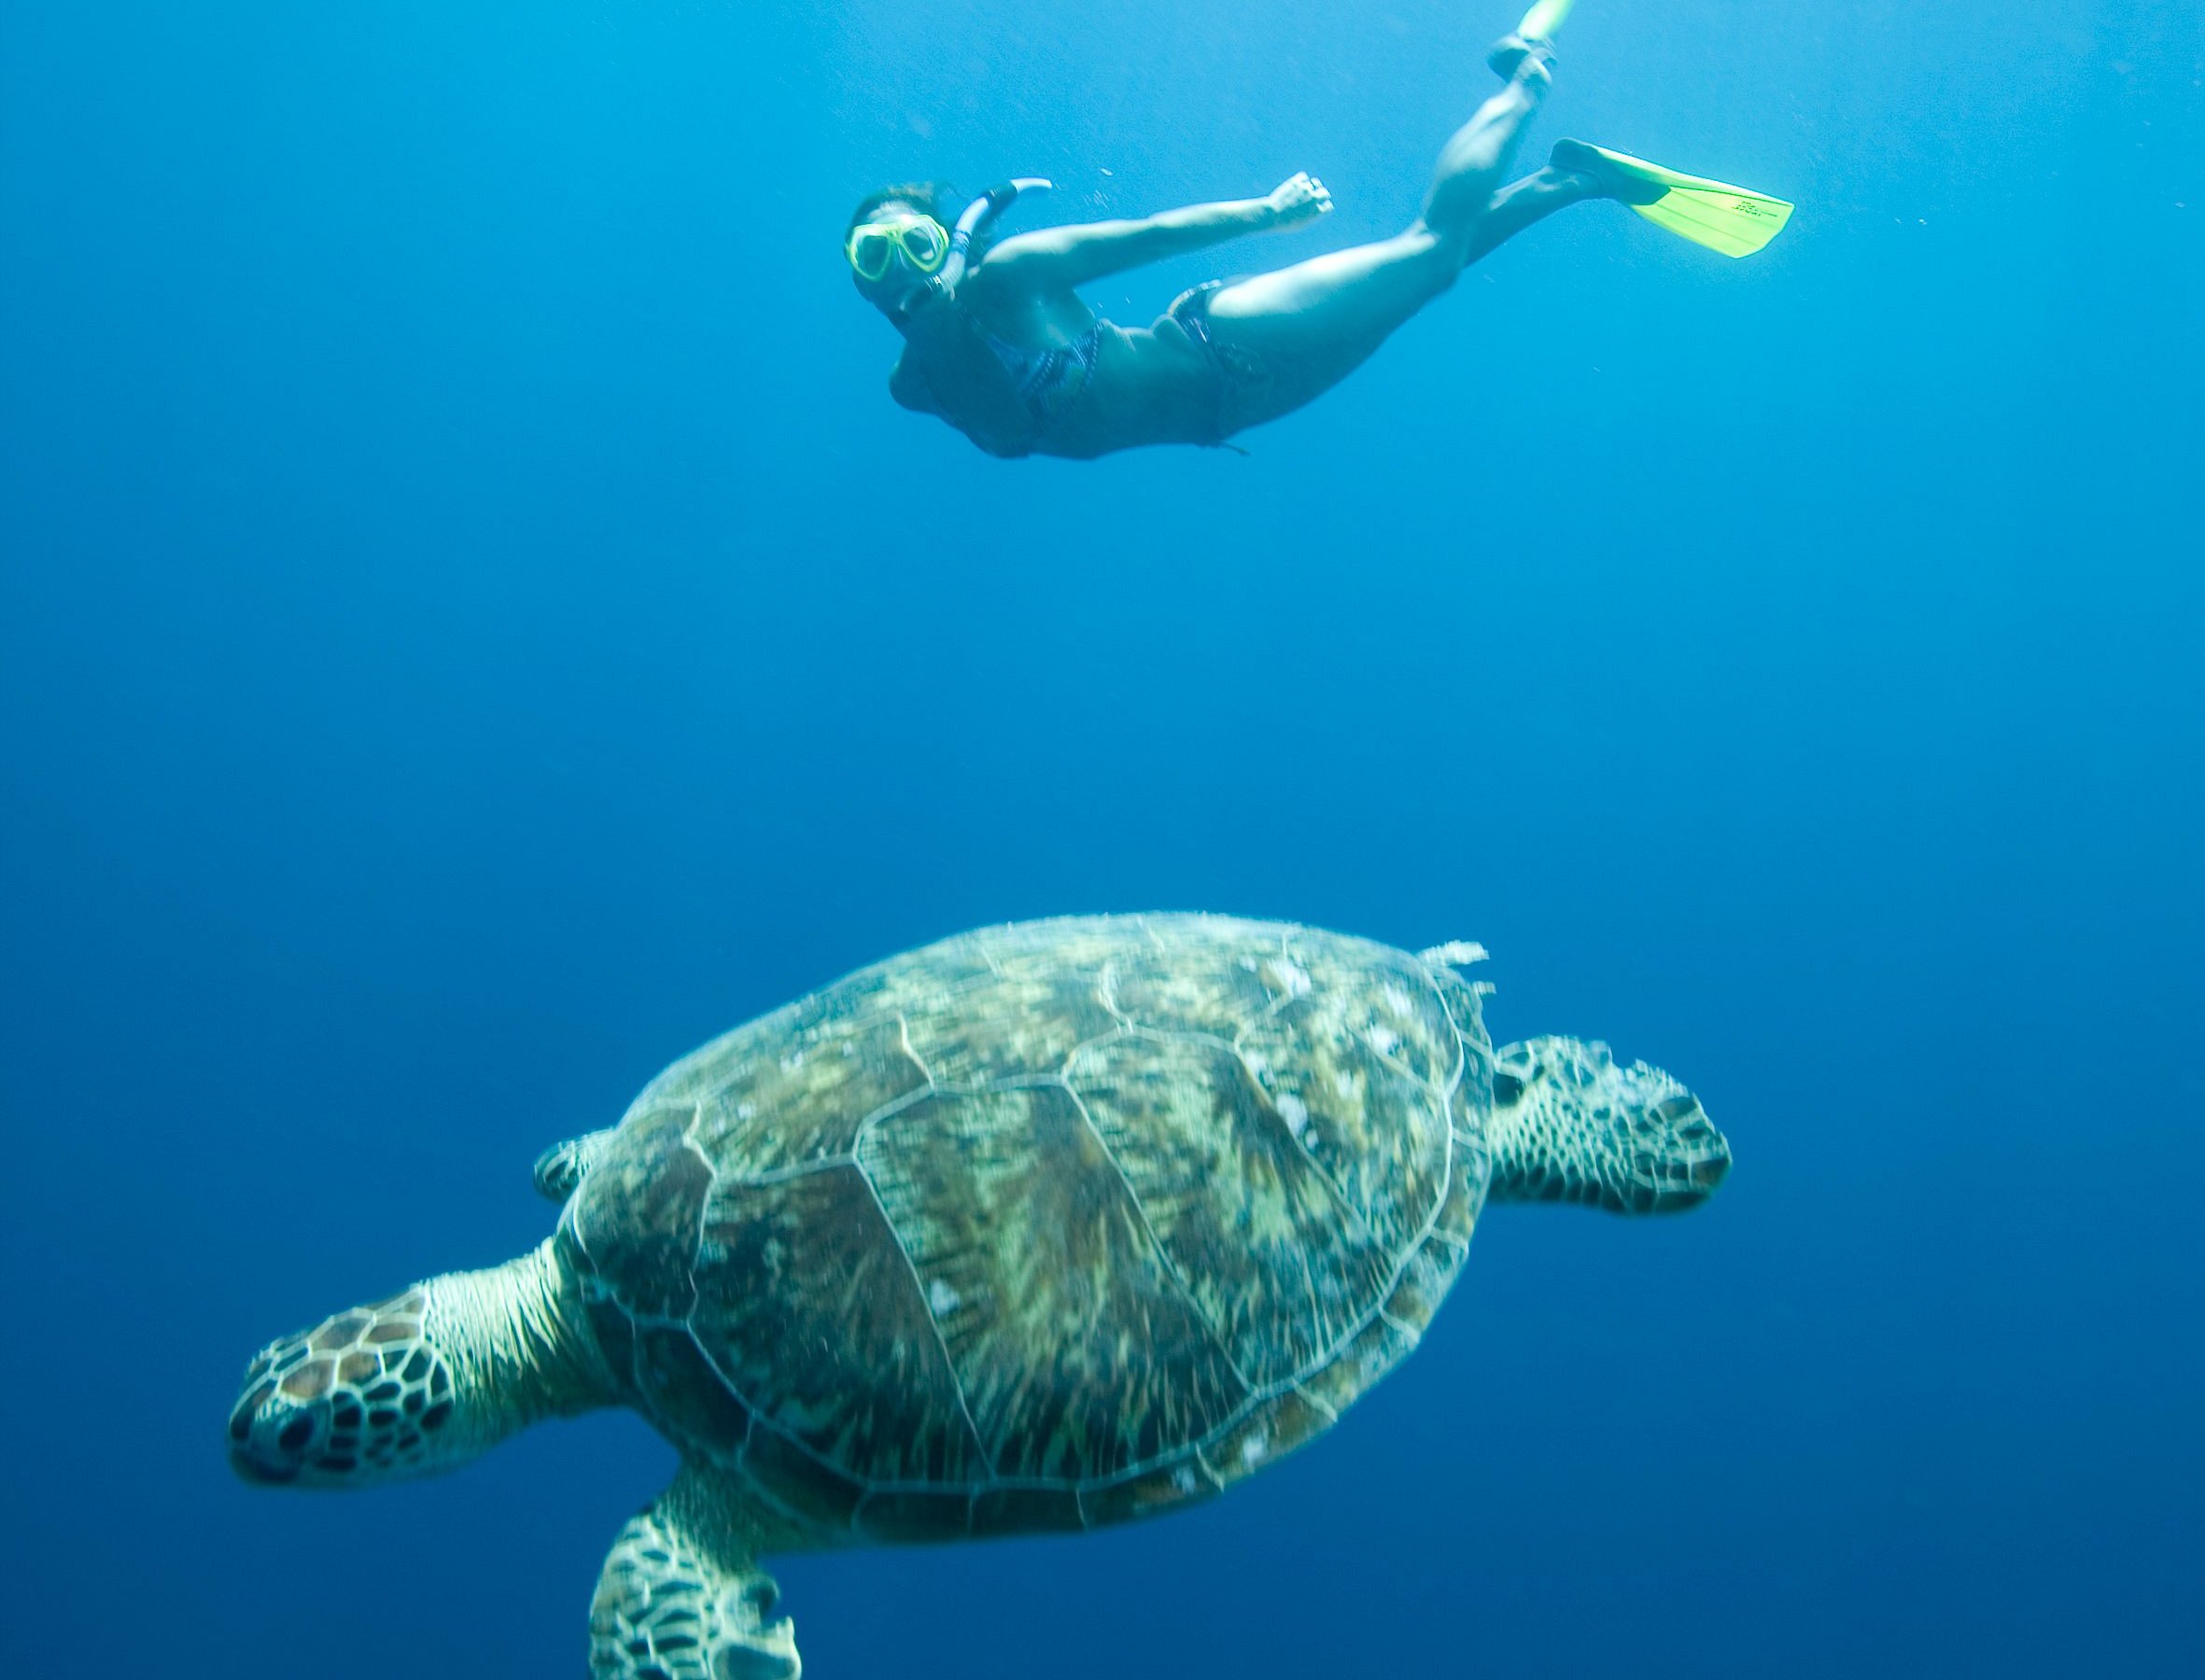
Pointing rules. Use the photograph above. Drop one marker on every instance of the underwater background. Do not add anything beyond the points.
(472, 626)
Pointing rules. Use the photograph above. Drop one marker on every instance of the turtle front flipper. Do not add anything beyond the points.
(682, 1598)
(1569, 1125)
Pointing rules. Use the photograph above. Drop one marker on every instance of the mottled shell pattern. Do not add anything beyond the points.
(1043, 1226)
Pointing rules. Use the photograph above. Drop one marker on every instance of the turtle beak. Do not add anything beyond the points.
(276, 1423)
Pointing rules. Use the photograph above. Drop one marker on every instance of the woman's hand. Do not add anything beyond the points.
(1300, 199)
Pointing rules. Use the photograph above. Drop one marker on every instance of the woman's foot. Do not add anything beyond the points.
(1514, 58)
(1575, 157)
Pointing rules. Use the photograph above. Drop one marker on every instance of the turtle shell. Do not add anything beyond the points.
(1042, 1226)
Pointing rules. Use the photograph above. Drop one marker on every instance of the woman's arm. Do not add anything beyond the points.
(1069, 257)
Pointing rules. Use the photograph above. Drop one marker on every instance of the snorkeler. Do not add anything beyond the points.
(998, 341)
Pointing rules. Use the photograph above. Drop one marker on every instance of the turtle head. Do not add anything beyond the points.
(1570, 1124)
(418, 1383)
(363, 1396)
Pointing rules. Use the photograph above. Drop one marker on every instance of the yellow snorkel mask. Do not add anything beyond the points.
(939, 253)
(873, 246)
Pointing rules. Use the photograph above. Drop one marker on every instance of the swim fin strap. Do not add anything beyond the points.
(1735, 221)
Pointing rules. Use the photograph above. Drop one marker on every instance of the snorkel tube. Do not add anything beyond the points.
(976, 219)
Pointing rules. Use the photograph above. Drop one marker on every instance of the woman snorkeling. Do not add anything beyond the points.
(998, 341)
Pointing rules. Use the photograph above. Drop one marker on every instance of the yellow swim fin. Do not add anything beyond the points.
(1544, 18)
(1735, 221)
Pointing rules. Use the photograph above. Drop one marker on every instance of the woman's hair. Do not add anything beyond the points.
(938, 199)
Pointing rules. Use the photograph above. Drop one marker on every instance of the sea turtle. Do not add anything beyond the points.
(1038, 1229)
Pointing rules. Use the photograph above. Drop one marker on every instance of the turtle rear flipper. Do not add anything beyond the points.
(1569, 1125)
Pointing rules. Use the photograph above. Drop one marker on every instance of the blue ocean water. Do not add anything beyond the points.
(474, 626)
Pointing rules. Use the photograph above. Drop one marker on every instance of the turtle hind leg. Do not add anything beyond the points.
(682, 1598)
(1569, 1125)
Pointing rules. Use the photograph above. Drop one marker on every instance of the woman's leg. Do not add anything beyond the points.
(1470, 163)
(1311, 325)
(1534, 198)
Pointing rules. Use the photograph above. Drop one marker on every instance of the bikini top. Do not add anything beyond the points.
(1003, 396)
